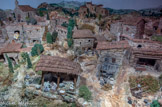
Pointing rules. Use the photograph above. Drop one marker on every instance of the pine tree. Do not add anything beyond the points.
(28, 61)
(49, 38)
(10, 64)
(48, 16)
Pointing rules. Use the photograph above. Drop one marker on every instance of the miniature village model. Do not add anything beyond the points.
(80, 54)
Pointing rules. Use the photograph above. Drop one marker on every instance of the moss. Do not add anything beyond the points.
(157, 38)
(150, 83)
(85, 93)
(86, 26)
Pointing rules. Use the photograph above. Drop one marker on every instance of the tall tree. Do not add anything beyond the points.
(54, 36)
(48, 16)
(49, 38)
(9, 64)
(28, 61)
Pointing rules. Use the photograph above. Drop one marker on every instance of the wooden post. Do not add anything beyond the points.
(75, 80)
(58, 81)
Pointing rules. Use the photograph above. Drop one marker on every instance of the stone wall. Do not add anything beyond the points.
(15, 56)
(62, 33)
(85, 43)
(30, 32)
(129, 30)
(116, 28)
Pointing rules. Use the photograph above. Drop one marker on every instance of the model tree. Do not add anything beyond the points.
(70, 33)
(48, 16)
(28, 61)
(54, 36)
(37, 49)
(49, 38)
(9, 64)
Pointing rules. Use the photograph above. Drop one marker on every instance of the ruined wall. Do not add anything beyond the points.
(85, 43)
(140, 29)
(62, 33)
(116, 28)
(30, 32)
(129, 30)
(15, 56)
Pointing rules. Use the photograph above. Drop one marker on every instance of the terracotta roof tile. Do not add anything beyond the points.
(12, 47)
(26, 8)
(112, 45)
(85, 33)
(57, 65)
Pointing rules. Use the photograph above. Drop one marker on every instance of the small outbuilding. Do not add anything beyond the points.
(60, 69)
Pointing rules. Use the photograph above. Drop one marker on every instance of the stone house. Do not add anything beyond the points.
(62, 32)
(131, 26)
(146, 54)
(12, 50)
(111, 56)
(27, 33)
(83, 39)
(98, 10)
(23, 11)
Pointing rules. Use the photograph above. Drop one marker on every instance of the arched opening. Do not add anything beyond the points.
(139, 46)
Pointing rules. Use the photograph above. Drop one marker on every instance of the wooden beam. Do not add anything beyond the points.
(58, 81)
(42, 81)
(75, 80)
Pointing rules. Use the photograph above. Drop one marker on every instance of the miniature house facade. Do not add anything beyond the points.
(83, 39)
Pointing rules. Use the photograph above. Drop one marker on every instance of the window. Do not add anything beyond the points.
(127, 29)
(113, 60)
(80, 43)
(155, 27)
(106, 59)
(89, 40)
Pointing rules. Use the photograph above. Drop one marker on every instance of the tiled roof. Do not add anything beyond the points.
(57, 65)
(28, 49)
(12, 47)
(112, 45)
(26, 8)
(85, 33)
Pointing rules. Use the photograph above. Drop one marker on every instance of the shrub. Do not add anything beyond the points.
(85, 93)
(37, 49)
(49, 38)
(16, 66)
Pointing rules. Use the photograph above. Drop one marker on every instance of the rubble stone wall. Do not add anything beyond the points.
(85, 43)
(129, 30)
(116, 28)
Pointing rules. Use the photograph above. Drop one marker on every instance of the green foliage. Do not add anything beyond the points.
(16, 66)
(70, 33)
(29, 61)
(49, 38)
(41, 13)
(155, 103)
(85, 93)
(24, 56)
(157, 38)
(48, 16)
(54, 36)
(149, 82)
(73, 105)
(37, 49)
(10, 64)
(64, 24)
(39, 72)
